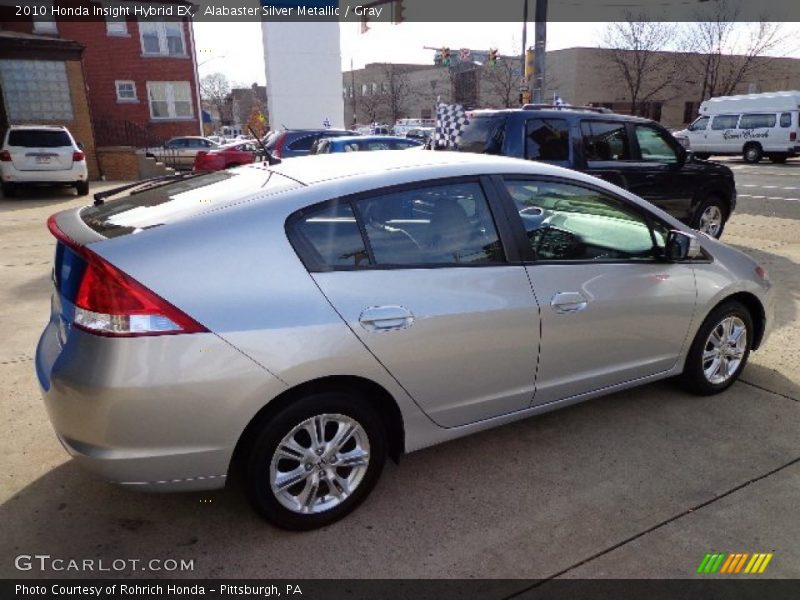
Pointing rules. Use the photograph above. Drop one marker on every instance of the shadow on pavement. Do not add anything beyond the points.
(525, 500)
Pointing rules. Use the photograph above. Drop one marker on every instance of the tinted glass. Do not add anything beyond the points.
(158, 203)
(757, 121)
(447, 224)
(786, 119)
(700, 124)
(483, 135)
(654, 146)
(566, 222)
(547, 139)
(177, 143)
(604, 141)
(38, 138)
(303, 143)
(724, 122)
(334, 234)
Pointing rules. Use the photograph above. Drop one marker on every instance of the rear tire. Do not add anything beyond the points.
(299, 482)
(719, 351)
(752, 153)
(711, 216)
(9, 190)
(778, 159)
(82, 187)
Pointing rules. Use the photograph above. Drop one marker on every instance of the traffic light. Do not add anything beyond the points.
(529, 64)
(446, 56)
(397, 12)
(491, 59)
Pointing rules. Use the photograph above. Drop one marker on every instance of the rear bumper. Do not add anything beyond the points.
(11, 174)
(153, 413)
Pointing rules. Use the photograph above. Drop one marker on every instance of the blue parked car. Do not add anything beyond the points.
(361, 143)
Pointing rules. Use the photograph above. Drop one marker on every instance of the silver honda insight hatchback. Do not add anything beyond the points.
(298, 323)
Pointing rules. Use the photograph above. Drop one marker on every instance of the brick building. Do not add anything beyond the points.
(141, 76)
(577, 75)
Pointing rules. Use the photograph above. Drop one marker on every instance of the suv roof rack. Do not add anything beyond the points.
(598, 109)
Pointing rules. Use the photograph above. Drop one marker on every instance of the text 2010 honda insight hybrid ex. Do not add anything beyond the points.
(305, 320)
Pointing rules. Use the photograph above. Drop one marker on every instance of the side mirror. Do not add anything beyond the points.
(681, 246)
(80, 145)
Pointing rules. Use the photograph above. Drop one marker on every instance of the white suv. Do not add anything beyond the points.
(41, 154)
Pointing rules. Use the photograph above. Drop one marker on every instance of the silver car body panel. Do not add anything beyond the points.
(166, 412)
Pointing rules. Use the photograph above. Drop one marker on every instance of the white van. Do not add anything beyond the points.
(753, 125)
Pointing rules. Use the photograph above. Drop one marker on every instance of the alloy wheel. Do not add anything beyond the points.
(319, 463)
(724, 349)
(711, 220)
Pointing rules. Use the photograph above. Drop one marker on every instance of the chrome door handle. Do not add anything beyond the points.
(568, 302)
(386, 318)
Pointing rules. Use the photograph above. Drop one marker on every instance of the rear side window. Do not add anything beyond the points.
(443, 224)
(483, 135)
(38, 138)
(724, 122)
(605, 141)
(757, 121)
(547, 139)
(303, 143)
(786, 119)
(333, 233)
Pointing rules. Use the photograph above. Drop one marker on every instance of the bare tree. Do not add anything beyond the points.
(726, 53)
(214, 89)
(373, 105)
(501, 81)
(637, 47)
(397, 90)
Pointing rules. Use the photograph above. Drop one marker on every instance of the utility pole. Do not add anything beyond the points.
(353, 91)
(540, 46)
(524, 42)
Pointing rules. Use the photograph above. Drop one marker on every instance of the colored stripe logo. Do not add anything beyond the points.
(734, 563)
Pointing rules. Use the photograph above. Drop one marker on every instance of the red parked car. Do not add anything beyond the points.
(225, 157)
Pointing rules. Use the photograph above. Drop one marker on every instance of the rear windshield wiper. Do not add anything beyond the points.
(146, 184)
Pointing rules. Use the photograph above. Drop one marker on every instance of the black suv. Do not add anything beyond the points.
(634, 153)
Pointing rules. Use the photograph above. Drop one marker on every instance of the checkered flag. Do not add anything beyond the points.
(450, 120)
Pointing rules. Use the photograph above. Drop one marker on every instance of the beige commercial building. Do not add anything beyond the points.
(385, 92)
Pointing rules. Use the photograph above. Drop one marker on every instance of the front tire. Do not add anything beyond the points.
(316, 460)
(719, 351)
(702, 155)
(711, 216)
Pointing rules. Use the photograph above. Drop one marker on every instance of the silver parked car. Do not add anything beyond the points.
(305, 320)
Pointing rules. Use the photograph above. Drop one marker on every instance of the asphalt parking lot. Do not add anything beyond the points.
(640, 484)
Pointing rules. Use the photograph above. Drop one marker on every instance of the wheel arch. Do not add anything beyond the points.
(385, 405)
(756, 310)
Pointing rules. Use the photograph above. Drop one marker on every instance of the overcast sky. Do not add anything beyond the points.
(236, 50)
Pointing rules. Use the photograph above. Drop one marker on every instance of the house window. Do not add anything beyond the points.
(364, 89)
(170, 99)
(36, 90)
(126, 91)
(116, 26)
(44, 25)
(162, 39)
(374, 88)
(690, 111)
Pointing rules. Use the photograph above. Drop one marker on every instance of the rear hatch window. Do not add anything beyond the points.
(38, 138)
(483, 134)
(162, 202)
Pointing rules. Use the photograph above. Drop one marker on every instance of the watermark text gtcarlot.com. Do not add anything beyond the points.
(46, 562)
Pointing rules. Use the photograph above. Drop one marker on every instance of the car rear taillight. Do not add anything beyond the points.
(78, 156)
(109, 302)
(278, 149)
(5, 156)
(792, 136)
